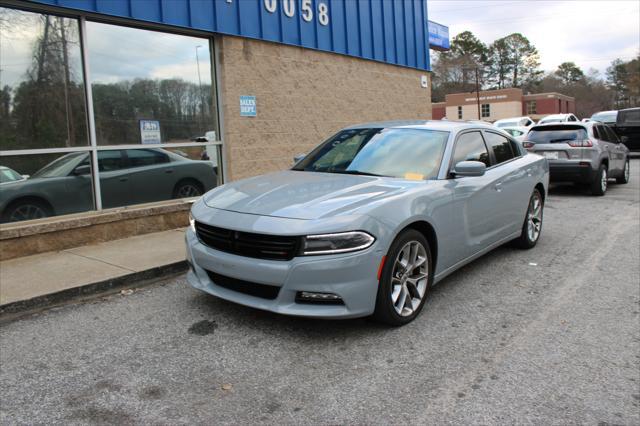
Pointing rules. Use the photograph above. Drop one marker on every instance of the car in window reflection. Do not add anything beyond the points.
(127, 176)
(8, 175)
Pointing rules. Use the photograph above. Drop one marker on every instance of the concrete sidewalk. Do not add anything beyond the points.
(47, 278)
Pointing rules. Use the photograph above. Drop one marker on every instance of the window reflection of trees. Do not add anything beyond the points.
(182, 108)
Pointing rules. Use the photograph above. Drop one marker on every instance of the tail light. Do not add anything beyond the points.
(527, 144)
(586, 143)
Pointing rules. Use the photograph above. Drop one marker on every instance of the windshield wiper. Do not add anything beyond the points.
(357, 172)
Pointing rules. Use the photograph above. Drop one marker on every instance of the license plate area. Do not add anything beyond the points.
(550, 155)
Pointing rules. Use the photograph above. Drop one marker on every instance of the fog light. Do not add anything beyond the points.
(314, 297)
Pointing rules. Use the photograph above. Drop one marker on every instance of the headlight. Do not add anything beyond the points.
(192, 222)
(342, 242)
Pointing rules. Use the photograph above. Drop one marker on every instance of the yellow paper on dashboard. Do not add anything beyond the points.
(413, 176)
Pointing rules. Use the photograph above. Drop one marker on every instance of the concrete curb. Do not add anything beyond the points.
(134, 280)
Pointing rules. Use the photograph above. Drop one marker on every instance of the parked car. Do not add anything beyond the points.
(127, 176)
(518, 133)
(368, 221)
(628, 128)
(559, 118)
(515, 122)
(606, 117)
(588, 153)
(8, 175)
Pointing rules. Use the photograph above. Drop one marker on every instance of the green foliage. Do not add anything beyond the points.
(513, 62)
(623, 78)
(569, 72)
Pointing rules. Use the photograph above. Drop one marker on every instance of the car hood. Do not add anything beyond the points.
(306, 195)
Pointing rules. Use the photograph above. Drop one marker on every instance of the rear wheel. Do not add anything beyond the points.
(405, 279)
(26, 210)
(625, 174)
(532, 226)
(599, 184)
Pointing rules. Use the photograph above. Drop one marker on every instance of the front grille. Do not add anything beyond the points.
(261, 246)
(264, 291)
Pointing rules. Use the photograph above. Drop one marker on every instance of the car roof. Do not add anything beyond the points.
(442, 125)
(614, 111)
(556, 116)
(567, 124)
(512, 119)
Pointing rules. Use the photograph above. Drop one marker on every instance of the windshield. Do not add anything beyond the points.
(508, 124)
(8, 175)
(61, 166)
(605, 117)
(556, 134)
(403, 153)
(514, 132)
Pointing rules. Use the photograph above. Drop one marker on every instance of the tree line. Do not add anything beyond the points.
(513, 61)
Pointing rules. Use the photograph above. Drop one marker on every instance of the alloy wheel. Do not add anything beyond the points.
(603, 181)
(534, 217)
(27, 212)
(409, 278)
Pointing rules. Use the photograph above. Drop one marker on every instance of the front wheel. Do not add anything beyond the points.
(405, 279)
(187, 188)
(625, 174)
(532, 226)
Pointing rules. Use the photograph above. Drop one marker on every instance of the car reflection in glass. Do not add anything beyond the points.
(130, 176)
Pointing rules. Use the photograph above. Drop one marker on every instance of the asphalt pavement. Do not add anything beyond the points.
(546, 336)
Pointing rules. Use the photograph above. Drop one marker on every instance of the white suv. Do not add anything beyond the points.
(559, 118)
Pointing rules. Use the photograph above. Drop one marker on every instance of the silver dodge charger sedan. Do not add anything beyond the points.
(367, 222)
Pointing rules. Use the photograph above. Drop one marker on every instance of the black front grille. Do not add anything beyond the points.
(264, 291)
(261, 246)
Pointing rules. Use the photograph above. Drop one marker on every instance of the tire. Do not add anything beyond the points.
(625, 173)
(395, 283)
(28, 209)
(187, 188)
(599, 184)
(532, 226)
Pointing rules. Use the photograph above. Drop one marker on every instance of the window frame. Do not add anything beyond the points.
(92, 147)
(512, 142)
(482, 113)
(460, 112)
(449, 174)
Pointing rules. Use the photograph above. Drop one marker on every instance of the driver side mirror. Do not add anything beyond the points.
(469, 168)
(298, 158)
(83, 169)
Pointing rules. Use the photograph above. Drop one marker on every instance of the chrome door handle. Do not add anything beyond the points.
(498, 187)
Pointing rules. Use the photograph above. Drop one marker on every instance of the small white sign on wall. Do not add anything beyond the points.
(424, 82)
(150, 132)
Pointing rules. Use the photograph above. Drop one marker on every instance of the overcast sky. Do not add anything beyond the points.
(590, 33)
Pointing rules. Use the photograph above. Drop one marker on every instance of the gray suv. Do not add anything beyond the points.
(589, 153)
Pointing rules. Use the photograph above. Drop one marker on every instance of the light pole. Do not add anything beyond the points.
(200, 90)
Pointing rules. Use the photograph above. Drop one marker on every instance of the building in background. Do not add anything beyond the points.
(111, 103)
(504, 103)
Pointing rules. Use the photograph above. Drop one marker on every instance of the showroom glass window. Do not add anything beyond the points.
(148, 86)
(42, 101)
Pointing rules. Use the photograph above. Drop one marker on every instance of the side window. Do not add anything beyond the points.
(146, 157)
(612, 135)
(110, 160)
(501, 147)
(596, 132)
(602, 133)
(470, 147)
(572, 118)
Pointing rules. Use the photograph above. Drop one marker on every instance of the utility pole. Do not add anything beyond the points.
(478, 93)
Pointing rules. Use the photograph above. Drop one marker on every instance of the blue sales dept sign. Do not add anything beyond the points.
(248, 106)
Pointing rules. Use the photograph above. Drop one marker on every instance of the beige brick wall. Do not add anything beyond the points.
(497, 110)
(304, 96)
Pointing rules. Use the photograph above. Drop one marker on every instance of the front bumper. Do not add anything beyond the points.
(570, 171)
(352, 276)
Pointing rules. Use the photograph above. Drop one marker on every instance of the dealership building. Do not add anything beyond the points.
(117, 110)
(492, 105)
